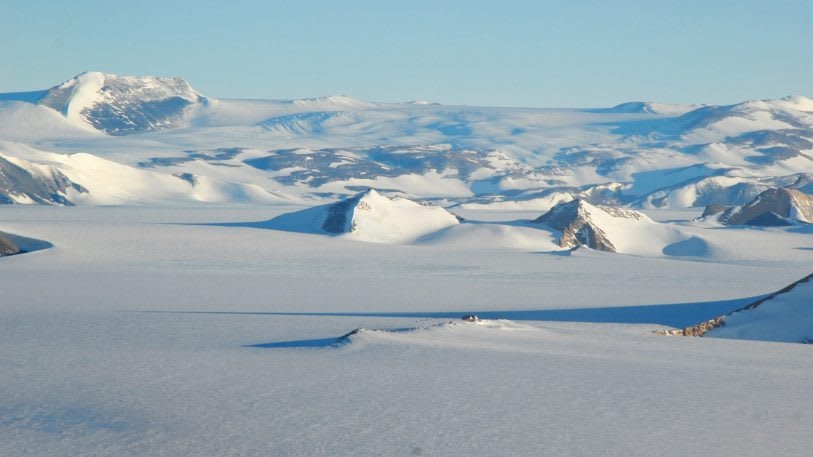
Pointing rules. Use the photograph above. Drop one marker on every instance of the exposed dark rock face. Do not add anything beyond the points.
(774, 207)
(41, 188)
(188, 177)
(712, 210)
(574, 219)
(7, 247)
(336, 220)
(126, 104)
(318, 167)
(695, 330)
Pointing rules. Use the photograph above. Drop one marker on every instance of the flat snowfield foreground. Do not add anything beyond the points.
(194, 331)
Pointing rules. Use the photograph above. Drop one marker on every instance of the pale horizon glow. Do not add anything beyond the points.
(508, 53)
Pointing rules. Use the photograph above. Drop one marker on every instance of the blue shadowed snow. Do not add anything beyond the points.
(314, 343)
(28, 97)
(27, 244)
(673, 315)
(319, 342)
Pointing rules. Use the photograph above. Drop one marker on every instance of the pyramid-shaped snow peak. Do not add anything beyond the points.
(121, 105)
(370, 216)
(584, 224)
(777, 206)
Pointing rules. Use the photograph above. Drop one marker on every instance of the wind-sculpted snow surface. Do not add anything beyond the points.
(163, 321)
(153, 330)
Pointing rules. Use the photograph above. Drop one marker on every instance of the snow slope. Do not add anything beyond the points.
(369, 216)
(784, 316)
(159, 319)
(82, 178)
(772, 207)
(154, 330)
(616, 229)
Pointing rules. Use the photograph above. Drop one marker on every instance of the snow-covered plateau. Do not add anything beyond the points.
(199, 276)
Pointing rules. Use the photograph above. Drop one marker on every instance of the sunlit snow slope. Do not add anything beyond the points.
(640, 154)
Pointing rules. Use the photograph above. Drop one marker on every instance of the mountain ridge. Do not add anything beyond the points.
(638, 154)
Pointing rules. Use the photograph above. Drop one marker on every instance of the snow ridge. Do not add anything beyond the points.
(783, 316)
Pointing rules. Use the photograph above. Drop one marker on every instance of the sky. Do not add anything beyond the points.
(573, 53)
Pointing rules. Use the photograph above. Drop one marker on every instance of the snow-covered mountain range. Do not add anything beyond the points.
(638, 154)
(189, 300)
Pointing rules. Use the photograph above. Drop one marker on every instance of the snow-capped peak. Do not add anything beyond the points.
(370, 216)
(122, 104)
(775, 206)
(583, 223)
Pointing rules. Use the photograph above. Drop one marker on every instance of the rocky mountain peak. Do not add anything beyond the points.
(580, 223)
(776, 206)
(7, 247)
(121, 105)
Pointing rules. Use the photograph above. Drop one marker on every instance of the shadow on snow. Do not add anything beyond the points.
(675, 315)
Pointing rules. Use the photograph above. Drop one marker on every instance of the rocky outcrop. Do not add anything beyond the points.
(787, 317)
(7, 247)
(773, 207)
(694, 330)
(23, 182)
(122, 105)
(579, 223)
(713, 210)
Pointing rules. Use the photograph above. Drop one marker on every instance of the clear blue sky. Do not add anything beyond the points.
(507, 53)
